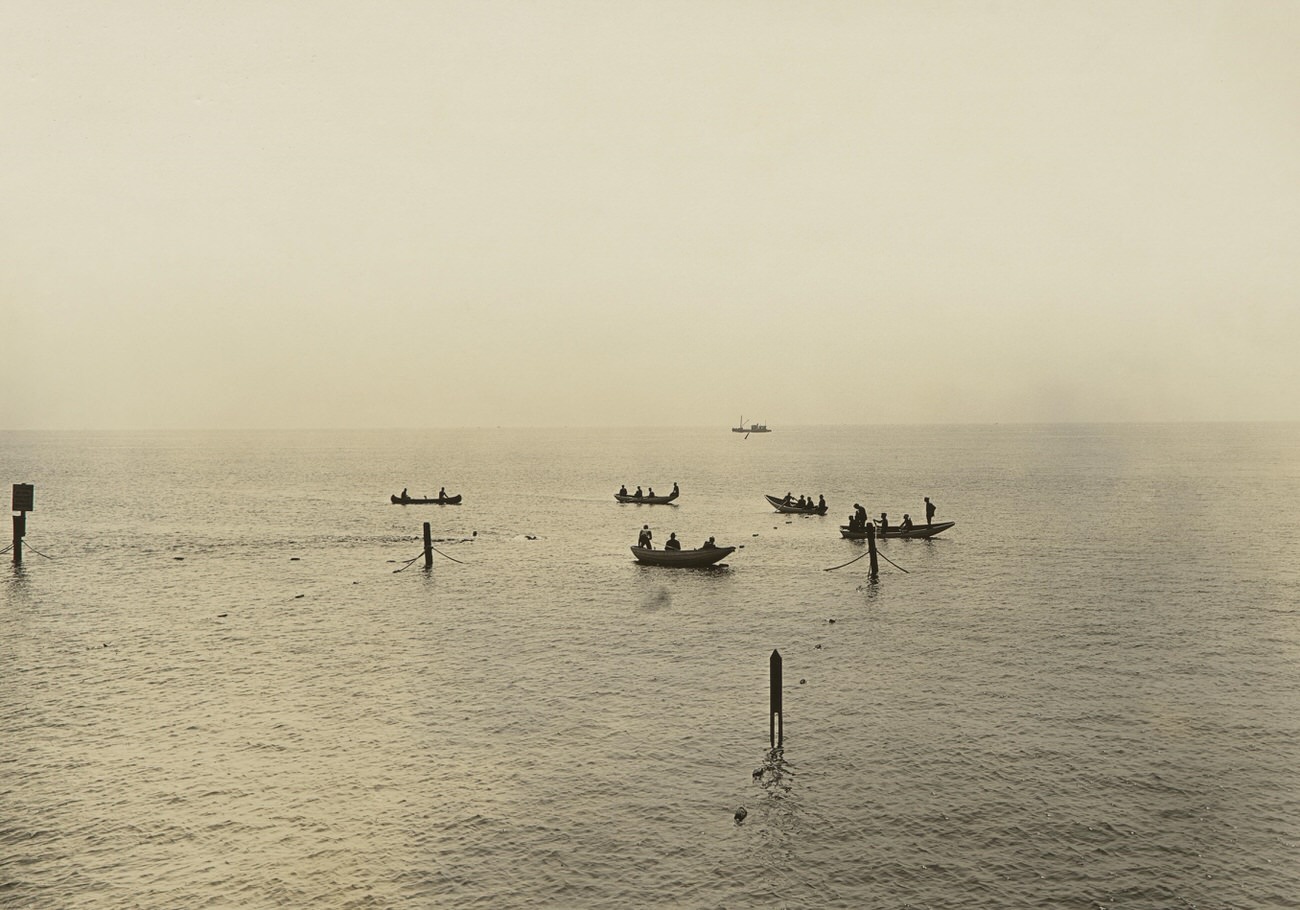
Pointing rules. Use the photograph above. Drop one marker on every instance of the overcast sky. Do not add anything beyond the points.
(384, 214)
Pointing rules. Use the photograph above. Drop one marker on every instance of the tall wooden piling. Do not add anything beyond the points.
(871, 548)
(775, 719)
(24, 501)
(428, 547)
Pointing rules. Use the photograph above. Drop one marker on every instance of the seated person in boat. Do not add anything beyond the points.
(404, 496)
(675, 490)
(644, 539)
(786, 500)
(709, 545)
(622, 491)
(651, 494)
(884, 522)
(442, 492)
(672, 543)
(799, 502)
(907, 522)
(638, 494)
(821, 503)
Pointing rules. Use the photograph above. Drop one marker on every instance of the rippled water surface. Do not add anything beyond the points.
(220, 692)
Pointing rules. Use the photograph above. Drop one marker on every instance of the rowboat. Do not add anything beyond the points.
(916, 531)
(682, 559)
(791, 509)
(436, 501)
(648, 500)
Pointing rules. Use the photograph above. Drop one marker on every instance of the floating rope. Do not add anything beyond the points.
(34, 550)
(868, 553)
(849, 563)
(414, 558)
(894, 564)
(408, 563)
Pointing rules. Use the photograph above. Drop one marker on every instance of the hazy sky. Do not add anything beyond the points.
(328, 214)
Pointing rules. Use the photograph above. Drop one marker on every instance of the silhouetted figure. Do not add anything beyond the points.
(800, 501)
(853, 521)
(862, 516)
(821, 503)
(644, 539)
(404, 494)
(622, 491)
(638, 494)
(786, 500)
(884, 522)
(672, 543)
(709, 545)
(907, 522)
(675, 490)
(929, 512)
(442, 492)
(651, 494)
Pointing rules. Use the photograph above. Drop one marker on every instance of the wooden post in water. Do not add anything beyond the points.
(24, 502)
(871, 547)
(428, 547)
(775, 719)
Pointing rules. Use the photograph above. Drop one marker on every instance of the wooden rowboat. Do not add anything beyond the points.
(444, 501)
(682, 559)
(916, 531)
(791, 509)
(648, 500)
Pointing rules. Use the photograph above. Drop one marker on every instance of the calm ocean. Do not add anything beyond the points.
(218, 692)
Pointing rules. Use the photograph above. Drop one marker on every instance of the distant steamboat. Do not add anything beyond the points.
(752, 428)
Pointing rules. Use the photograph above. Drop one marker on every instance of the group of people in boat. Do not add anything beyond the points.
(804, 502)
(442, 494)
(858, 521)
(646, 537)
(622, 491)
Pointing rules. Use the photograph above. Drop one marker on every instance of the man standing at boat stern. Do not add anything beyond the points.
(929, 512)
(644, 539)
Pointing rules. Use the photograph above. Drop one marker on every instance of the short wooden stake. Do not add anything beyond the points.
(428, 547)
(871, 547)
(775, 720)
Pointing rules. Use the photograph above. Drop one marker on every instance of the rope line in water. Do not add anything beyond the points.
(440, 553)
(33, 549)
(868, 553)
(414, 558)
(849, 563)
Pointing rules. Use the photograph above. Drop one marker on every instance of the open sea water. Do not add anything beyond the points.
(218, 690)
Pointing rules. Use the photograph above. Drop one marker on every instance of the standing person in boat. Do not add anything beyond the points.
(929, 512)
(821, 503)
(884, 522)
(672, 543)
(622, 491)
(862, 516)
(644, 539)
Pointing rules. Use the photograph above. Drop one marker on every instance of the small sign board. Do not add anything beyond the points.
(24, 497)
